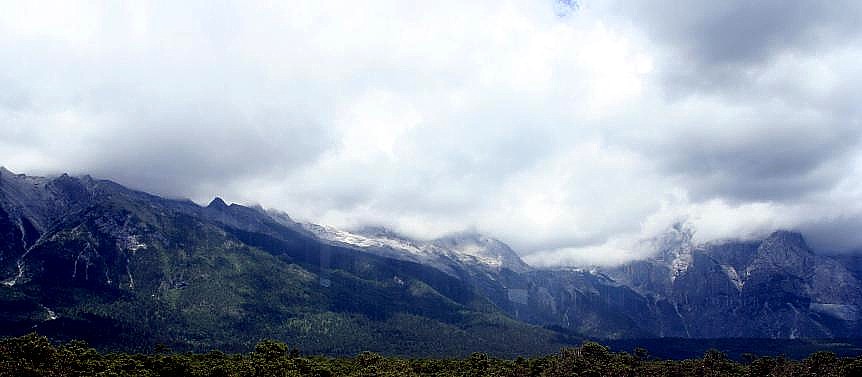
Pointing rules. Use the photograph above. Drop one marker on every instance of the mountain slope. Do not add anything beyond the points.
(89, 258)
(772, 288)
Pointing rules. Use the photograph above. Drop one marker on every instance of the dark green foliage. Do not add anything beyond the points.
(34, 355)
(740, 349)
(125, 271)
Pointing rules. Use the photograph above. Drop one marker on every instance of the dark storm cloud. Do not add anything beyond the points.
(724, 44)
(837, 235)
(170, 109)
(170, 146)
(170, 156)
(780, 70)
(763, 161)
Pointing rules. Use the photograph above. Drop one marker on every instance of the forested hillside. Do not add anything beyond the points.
(82, 258)
(34, 355)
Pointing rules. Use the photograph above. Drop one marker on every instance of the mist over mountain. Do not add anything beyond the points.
(432, 179)
(568, 129)
(85, 257)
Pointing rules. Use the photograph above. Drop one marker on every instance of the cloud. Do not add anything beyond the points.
(722, 45)
(569, 130)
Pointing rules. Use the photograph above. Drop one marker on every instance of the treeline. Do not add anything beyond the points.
(34, 355)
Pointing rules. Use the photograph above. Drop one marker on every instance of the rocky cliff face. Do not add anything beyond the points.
(94, 257)
(776, 287)
(771, 288)
(85, 258)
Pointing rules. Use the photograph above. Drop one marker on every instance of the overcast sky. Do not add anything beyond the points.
(566, 130)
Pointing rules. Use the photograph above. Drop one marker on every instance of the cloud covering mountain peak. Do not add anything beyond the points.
(569, 135)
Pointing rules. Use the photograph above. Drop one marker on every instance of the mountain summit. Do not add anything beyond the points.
(775, 287)
(85, 258)
(88, 258)
(487, 250)
(217, 204)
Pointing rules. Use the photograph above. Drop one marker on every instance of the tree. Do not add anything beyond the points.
(822, 363)
(270, 349)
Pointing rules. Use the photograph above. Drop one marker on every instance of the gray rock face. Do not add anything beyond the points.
(458, 254)
(776, 287)
(42, 200)
(486, 249)
(28, 207)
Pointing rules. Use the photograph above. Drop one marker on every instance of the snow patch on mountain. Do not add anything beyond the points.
(446, 254)
(365, 241)
(486, 250)
(840, 311)
(733, 276)
(673, 248)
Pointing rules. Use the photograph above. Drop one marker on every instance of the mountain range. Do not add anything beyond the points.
(88, 258)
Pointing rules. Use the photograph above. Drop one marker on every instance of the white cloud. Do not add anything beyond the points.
(570, 134)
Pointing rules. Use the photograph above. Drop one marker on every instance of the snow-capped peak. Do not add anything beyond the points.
(365, 240)
(487, 250)
(459, 249)
(674, 248)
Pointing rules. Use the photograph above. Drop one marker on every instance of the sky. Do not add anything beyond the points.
(569, 130)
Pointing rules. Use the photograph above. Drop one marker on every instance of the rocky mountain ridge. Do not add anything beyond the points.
(776, 287)
(81, 255)
(86, 258)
